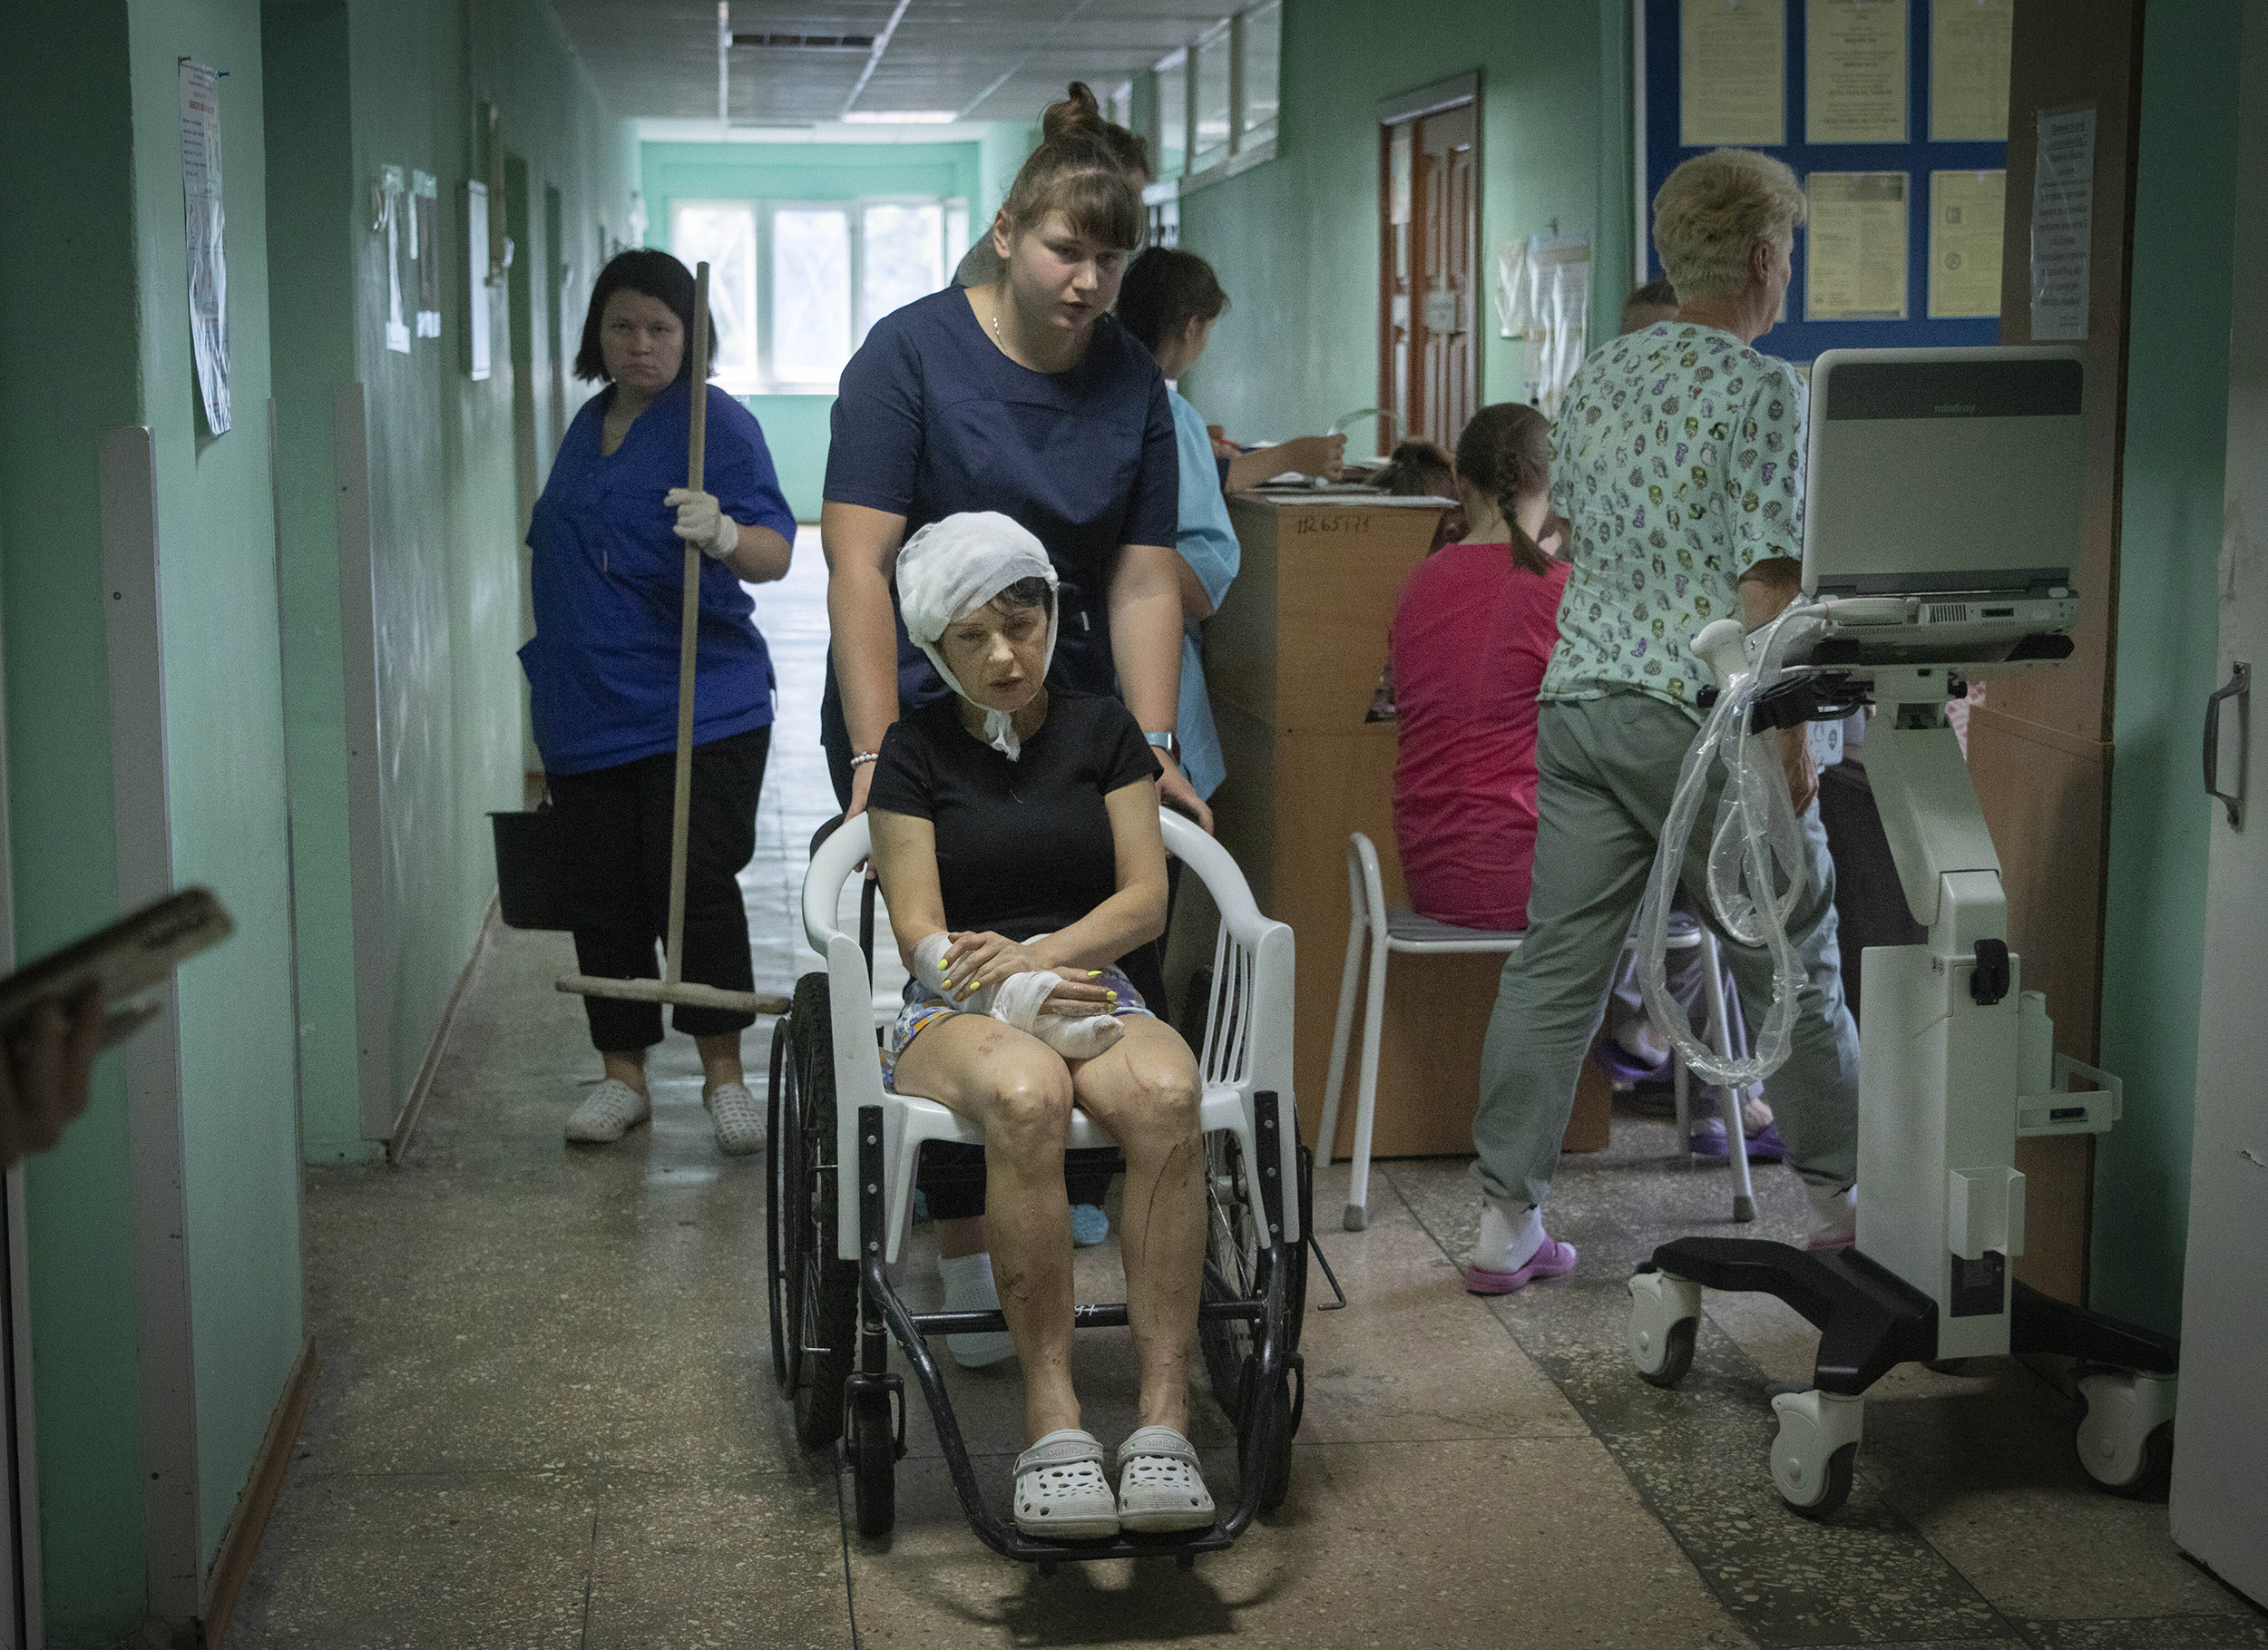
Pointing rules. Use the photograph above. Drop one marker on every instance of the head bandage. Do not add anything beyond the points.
(953, 567)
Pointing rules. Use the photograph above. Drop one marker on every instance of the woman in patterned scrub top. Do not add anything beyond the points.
(1679, 461)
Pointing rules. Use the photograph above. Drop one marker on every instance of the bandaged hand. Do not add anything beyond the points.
(1071, 1017)
(702, 522)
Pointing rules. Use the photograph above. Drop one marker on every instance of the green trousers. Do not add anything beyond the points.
(1606, 769)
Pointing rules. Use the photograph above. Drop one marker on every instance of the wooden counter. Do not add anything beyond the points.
(1292, 661)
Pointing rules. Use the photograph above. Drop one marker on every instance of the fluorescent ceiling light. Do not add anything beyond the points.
(902, 117)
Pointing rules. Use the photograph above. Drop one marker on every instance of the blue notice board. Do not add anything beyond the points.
(1795, 339)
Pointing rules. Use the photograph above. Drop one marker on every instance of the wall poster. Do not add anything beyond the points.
(1733, 72)
(424, 249)
(2063, 225)
(1968, 69)
(476, 279)
(208, 264)
(1966, 213)
(1854, 72)
(1543, 295)
(1857, 253)
(394, 209)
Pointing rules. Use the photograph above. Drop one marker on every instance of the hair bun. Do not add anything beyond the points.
(1078, 114)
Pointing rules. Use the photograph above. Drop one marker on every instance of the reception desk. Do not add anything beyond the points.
(1292, 661)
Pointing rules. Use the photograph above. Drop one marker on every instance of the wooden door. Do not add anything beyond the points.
(1428, 274)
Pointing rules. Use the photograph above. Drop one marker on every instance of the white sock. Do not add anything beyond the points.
(1511, 1234)
(969, 1283)
(1834, 1208)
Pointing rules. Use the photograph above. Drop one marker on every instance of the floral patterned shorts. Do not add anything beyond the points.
(925, 1007)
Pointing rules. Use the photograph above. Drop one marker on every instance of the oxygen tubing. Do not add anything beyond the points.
(1756, 859)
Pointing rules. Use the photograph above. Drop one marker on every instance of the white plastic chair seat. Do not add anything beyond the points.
(1247, 1049)
(1408, 930)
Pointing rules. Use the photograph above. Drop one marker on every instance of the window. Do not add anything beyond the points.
(1216, 99)
(1122, 110)
(1173, 115)
(811, 294)
(902, 257)
(722, 233)
(796, 285)
(1212, 99)
(1264, 45)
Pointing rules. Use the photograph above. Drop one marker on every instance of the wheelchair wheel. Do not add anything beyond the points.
(1237, 1269)
(814, 1293)
(787, 1350)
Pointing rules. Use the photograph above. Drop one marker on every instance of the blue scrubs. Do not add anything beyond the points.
(1209, 545)
(609, 585)
(932, 418)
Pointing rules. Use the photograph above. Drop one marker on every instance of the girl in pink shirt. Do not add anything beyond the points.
(1473, 631)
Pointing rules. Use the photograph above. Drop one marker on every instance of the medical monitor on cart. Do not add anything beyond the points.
(1947, 486)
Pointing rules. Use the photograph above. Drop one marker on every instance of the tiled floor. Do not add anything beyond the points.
(546, 1416)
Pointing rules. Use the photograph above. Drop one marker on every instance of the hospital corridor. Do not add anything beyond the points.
(1031, 823)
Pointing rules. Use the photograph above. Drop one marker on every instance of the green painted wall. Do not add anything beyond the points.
(795, 426)
(70, 347)
(225, 749)
(1296, 240)
(453, 466)
(98, 337)
(2170, 542)
(1000, 153)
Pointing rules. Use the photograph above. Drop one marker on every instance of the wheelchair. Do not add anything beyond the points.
(844, 1158)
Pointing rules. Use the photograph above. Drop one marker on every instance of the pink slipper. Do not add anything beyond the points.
(1555, 1259)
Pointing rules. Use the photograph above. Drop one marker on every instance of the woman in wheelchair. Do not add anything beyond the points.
(1015, 833)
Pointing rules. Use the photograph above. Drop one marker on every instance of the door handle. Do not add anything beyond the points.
(2239, 687)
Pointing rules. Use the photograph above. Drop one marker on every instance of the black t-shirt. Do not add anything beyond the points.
(1023, 847)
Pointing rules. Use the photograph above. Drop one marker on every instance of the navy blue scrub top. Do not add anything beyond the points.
(932, 419)
(609, 584)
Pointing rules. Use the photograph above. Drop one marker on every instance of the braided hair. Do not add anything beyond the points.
(1505, 454)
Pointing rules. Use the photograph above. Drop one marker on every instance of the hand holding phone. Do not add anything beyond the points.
(44, 1072)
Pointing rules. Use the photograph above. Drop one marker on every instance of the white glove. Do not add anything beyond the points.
(702, 520)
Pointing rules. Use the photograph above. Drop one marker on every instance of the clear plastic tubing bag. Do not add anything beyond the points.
(1756, 856)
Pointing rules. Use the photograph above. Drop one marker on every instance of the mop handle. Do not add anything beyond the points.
(688, 634)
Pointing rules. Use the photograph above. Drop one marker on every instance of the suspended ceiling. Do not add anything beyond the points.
(982, 60)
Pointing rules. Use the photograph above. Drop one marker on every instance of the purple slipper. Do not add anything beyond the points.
(1764, 1147)
(1621, 1066)
(1555, 1259)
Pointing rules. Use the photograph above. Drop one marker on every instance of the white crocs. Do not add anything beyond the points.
(608, 1112)
(740, 1119)
(1061, 1491)
(1159, 1486)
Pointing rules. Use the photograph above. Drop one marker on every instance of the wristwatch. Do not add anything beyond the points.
(1167, 743)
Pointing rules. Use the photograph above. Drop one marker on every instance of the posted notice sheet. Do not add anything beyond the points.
(1857, 259)
(2063, 225)
(1854, 71)
(1731, 82)
(208, 264)
(1968, 69)
(1966, 212)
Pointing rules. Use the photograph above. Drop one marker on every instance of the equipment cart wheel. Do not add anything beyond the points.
(1237, 1269)
(872, 1445)
(815, 1302)
(1815, 1449)
(1665, 1316)
(2125, 1439)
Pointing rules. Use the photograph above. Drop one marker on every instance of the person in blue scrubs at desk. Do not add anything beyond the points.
(609, 537)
